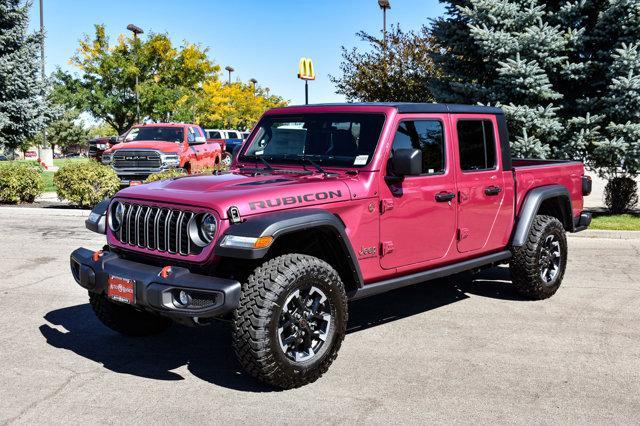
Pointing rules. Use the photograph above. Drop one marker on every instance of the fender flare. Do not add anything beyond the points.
(282, 223)
(531, 206)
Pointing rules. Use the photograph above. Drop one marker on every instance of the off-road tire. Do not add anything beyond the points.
(125, 319)
(255, 324)
(226, 159)
(526, 266)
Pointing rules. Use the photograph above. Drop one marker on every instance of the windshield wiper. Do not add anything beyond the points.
(318, 168)
(267, 165)
(270, 169)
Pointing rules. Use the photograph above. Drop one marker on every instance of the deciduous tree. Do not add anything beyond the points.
(106, 85)
(234, 106)
(399, 71)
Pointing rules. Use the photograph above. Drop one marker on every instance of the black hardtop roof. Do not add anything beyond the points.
(411, 107)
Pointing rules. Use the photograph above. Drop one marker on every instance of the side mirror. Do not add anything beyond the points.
(406, 162)
(113, 140)
(200, 139)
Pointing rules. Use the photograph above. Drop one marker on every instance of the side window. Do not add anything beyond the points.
(477, 145)
(215, 135)
(191, 134)
(232, 135)
(427, 136)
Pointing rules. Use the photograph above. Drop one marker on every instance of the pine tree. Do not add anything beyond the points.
(510, 54)
(23, 109)
(567, 74)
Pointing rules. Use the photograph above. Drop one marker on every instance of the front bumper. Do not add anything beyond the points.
(211, 296)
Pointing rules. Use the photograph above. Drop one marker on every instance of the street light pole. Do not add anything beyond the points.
(253, 81)
(230, 70)
(136, 30)
(45, 154)
(384, 5)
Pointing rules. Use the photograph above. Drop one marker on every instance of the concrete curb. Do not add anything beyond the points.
(612, 235)
(48, 211)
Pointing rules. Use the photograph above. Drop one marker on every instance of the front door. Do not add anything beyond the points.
(480, 181)
(418, 214)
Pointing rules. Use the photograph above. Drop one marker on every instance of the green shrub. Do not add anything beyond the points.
(167, 174)
(86, 183)
(20, 182)
(621, 195)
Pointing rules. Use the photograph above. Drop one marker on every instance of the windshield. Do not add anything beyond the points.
(167, 134)
(334, 139)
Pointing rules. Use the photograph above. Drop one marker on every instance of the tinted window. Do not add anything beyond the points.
(233, 135)
(428, 137)
(155, 133)
(477, 145)
(215, 135)
(338, 139)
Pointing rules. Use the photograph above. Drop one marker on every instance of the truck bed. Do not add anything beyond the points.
(533, 173)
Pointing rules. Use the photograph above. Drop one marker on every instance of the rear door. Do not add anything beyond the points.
(480, 180)
(417, 222)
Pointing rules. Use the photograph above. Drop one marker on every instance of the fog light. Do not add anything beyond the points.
(184, 298)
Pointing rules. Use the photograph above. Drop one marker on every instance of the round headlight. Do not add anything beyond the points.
(202, 229)
(116, 215)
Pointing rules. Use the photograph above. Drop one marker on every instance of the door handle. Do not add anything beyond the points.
(492, 190)
(443, 197)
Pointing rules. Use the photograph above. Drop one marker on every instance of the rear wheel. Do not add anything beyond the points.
(125, 319)
(537, 268)
(291, 320)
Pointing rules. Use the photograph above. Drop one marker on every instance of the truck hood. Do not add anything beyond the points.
(250, 194)
(166, 147)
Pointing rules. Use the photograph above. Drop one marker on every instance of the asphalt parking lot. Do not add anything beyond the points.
(460, 350)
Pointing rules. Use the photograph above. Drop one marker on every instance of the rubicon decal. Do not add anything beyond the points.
(298, 199)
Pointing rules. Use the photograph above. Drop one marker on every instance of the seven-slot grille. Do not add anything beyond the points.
(157, 228)
(127, 159)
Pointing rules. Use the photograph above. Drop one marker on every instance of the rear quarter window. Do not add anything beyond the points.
(476, 144)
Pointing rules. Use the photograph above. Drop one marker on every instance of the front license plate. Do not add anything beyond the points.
(121, 289)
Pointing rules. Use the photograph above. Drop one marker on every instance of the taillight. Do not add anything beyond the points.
(586, 185)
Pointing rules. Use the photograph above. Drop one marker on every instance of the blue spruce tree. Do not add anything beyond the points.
(23, 107)
(567, 74)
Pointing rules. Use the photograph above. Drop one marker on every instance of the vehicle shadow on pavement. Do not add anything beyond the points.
(494, 283)
(207, 352)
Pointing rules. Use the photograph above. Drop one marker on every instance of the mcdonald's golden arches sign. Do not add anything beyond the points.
(305, 69)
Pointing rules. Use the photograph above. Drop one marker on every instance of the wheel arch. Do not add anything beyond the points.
(552, 200)
(314, 232)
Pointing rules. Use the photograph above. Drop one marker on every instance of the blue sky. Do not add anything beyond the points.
(260, 39)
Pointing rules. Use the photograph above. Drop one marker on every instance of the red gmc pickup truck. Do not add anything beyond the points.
(325, 204)
(152, 148)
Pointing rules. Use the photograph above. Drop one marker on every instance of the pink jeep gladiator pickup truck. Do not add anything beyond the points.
(326, 204)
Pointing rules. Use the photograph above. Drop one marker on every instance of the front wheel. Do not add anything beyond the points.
(291, 320)
(226, 159)
(537, 268)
